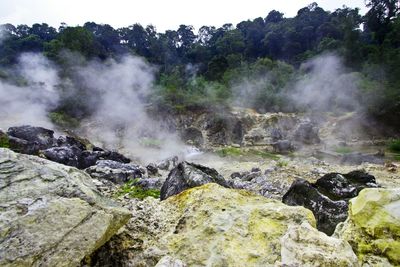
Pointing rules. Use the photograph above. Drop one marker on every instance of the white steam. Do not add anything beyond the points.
(247, 90)
(114, 91)
(120, 119)
(2, 34)
(327, 86)
(29, 103)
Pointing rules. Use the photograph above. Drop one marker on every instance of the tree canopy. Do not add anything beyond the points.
(367, 43)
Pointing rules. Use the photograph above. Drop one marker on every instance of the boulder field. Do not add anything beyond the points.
(52, 214)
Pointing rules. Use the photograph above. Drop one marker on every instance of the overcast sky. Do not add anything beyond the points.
(164, 14)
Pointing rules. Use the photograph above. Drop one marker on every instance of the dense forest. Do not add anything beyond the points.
(200, 70)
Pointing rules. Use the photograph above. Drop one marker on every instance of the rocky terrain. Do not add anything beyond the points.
(67, 202)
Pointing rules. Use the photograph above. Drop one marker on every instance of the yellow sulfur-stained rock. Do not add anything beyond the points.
(211, 225)
(225, 227)
(373, 226)
(304, 245)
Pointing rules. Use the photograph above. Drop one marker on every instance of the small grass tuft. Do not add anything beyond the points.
(4, 141)
(282, 163)
(151, 142)
(238, 152)
(229, 151)
(343, 150)
(135, 191)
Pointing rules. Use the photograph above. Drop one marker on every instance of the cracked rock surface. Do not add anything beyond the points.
(51, 214)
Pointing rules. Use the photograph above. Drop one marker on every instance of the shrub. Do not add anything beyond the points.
(394, 145)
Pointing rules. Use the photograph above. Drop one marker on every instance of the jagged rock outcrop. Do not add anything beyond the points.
(373, 226)
(51, 215)
(328, 197)
(344, 186)
(211, 225)
(37, 137)
(306, 133)
(243, 127)
(256, 182)
(193, 136)
(168, 164)
(187, 175)
(114, 171)
(283, 146)
(327, 212)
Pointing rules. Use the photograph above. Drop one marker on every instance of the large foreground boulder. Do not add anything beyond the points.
(187, 175)
(51, 215)
(373, 227)
(215, 226)
(328, 197)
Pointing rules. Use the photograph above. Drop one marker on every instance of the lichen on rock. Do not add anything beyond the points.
(207, 225)
(51, 215)
(373, 226)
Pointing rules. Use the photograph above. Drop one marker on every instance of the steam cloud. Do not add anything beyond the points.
(120, 119)
(29, 104)
(115, 92)
(327, 86)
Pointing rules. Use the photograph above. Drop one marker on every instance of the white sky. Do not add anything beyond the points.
(164, 14)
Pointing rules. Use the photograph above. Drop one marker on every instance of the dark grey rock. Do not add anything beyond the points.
(70, 141)
(236, 175)
(327, 212)
(150, 183)
(283, 146)
(306, 133)
(276, 134)
(69, 156)
(114, 171)
(168, 163)
(38, 136)
(188, 175)
(250, 176)
(328, 197)
(344, 186)
(152, 169)
(22, 146)
(194, 136)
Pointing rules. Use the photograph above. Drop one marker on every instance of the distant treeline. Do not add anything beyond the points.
(198, 70)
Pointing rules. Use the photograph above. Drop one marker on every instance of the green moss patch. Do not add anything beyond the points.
(134, 191)
(343, 150)
(394, 145)
(4, 141)
(63, 120)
